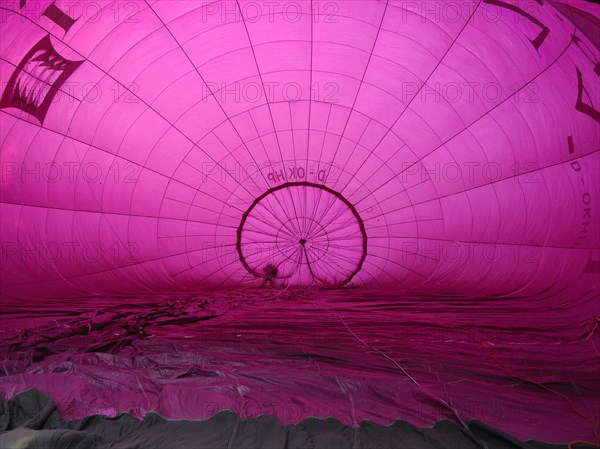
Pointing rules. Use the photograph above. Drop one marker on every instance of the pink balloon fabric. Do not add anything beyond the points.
(135, 138)
(434, 162)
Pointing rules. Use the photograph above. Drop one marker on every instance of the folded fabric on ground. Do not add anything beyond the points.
(31, 420)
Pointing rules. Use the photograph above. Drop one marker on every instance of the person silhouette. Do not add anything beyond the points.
(270, 273)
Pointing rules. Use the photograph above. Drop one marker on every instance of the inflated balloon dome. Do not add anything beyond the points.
(367, 210)
(160, 146)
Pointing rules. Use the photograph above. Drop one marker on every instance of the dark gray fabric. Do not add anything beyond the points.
(31, 420)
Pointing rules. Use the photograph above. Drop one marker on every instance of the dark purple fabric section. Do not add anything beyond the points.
(296, 354)
(31, 421)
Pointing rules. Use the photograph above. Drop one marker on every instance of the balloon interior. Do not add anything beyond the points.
(332, 215)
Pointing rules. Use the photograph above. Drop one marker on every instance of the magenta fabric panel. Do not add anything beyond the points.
(135, 138)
